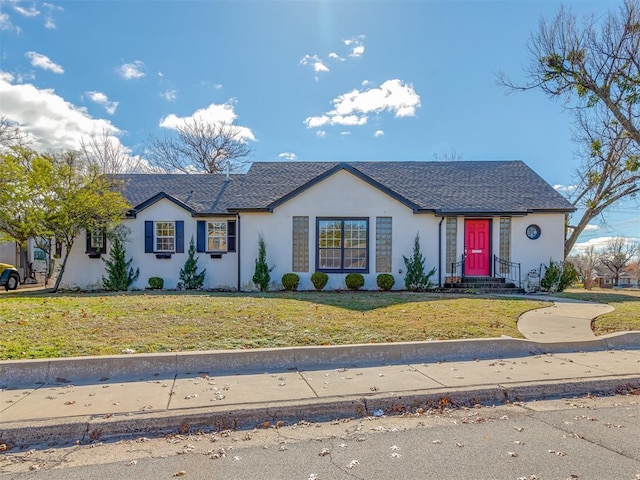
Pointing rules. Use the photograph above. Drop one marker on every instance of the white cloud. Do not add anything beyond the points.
(366, 82)
(27, 12)
(217, 86)
(354, 107)
(321, 133)
(48, 119)
(213, 114)
(315, 62)
(335, 56)
(357, 51)
(50, 23)
(378, 133)
(101, 99)
(345, 133)
(133, 70)
(565, 188)
(169, 95)
(42, 61)
(288, 156)
(356, 45)
(590, 226)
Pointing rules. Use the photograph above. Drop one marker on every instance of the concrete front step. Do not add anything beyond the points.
(504, 291)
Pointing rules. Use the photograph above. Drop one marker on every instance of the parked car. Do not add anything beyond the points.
(9, 276)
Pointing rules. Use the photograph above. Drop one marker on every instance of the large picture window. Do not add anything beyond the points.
(343, 244)
(165, 237)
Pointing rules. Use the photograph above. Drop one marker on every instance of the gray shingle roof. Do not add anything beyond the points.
(443, 187)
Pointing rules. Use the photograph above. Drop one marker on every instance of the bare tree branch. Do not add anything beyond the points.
(10, 134)
(594, 66)
(109, 155)
(198, 146)
(617, 255)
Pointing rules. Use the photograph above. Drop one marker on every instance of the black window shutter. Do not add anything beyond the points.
(180, 236)
(148, 237)
(89, 249)
(104, 240)
(231, 236)
(200, 242)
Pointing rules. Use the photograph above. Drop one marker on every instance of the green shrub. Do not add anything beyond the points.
(157, 283)
(189, 276)
(416, 279)
(354, 281)
(290, 281)
(385, 281)
(319, 280)
(120, 273)
(558, 276)
(262, 272)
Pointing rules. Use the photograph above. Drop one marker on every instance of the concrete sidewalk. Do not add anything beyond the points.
(566, 320)
(59, 401)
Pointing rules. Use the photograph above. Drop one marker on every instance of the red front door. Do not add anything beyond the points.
(476, 246)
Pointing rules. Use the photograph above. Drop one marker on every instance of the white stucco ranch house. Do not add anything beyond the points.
(475, 219)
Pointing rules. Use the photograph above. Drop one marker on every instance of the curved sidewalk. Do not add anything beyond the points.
(565, 321)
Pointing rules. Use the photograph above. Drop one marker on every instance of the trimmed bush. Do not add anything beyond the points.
(558, 276)
(190, 278)
(416, 280)
(354, 281)
(319, 280)
(157, 283)
(385, 281)
(290, 281)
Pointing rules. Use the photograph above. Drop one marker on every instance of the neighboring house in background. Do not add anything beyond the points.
(604, 278)
(28, 261)
(338, 218)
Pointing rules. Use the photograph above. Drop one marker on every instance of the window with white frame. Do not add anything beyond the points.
(217, 236)
(165, 236)
(97, 238)
(343, 244)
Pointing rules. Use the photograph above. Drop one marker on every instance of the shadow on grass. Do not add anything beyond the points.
(602, 297)
(359, 301)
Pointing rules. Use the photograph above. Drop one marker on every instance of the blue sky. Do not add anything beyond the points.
(317, 80)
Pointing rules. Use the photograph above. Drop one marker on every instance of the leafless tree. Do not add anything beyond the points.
(585, 264)
(198, 146)
(617, 255)
(10, 134)
(453, 156)
(594, 66)
(109, 155)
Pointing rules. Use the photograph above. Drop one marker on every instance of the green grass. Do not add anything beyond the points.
(41, 325)
(625, 317)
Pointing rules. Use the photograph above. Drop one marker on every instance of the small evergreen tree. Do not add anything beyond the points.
(120, 274)
(416, 279)
(262, 277)
(190, 279)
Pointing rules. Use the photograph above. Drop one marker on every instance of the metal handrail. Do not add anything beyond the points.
(510, 271)
(457, 270)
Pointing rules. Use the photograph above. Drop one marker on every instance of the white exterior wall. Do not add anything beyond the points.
(86, 273)
(550, 245)
(340, 195)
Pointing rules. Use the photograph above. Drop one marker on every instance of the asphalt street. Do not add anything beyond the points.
(578, 438)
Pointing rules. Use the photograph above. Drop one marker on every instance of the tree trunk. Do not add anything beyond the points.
(64, 264)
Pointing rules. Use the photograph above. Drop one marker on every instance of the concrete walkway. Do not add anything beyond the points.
(89, 399)
(565, 321)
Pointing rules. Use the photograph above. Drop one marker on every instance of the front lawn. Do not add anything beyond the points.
(625, 317)
(41, 325)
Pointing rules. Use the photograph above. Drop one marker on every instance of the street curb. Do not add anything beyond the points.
(170, 365)
(88, 429)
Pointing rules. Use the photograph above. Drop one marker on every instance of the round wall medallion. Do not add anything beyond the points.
(533, 231)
